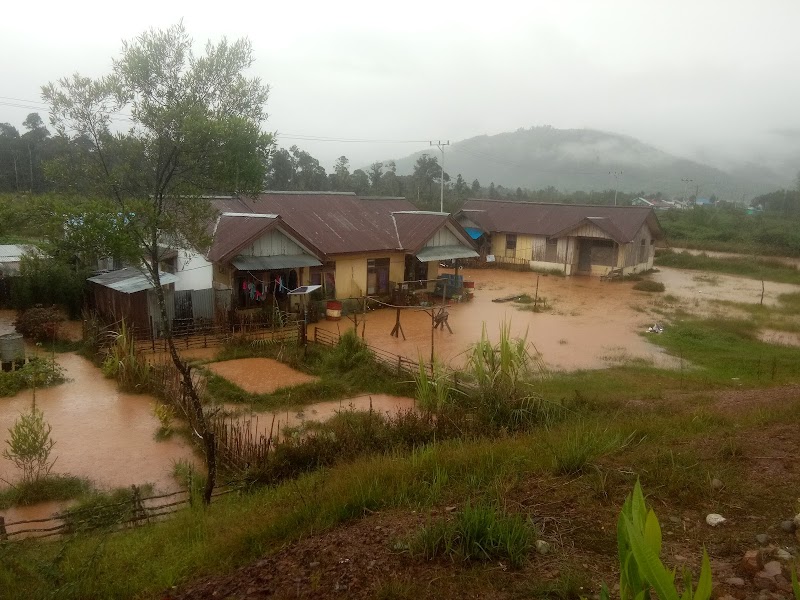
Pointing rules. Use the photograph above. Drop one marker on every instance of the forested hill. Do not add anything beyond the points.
(586, 159)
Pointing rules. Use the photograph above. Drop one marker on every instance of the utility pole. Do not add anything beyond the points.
(616, 175)
(440, 144)
(686, 189)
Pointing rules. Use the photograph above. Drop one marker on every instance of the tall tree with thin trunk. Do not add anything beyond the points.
(164, 129)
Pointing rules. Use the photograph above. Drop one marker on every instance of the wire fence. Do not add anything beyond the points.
(134, 511)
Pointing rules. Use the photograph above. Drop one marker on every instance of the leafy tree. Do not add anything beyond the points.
(34, 143)
(30, 446)
(374, 173)
(341, 178)
(476, 188)
(195, 127)
(9, 158)
(310, 175)
(492, 191)
(391, 184)
(427, 172)
(360, 182)
(460, 188)
(282, 170)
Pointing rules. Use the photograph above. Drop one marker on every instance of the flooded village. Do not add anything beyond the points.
(535, 362)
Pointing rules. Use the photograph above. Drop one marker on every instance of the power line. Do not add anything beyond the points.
(319, 138)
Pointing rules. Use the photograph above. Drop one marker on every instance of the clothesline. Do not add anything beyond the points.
(416, 308)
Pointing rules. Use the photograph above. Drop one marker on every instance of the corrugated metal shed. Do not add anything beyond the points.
(130, 280)
(11, 255)
(551, 219)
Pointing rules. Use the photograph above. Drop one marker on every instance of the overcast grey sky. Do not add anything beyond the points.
(705, 79)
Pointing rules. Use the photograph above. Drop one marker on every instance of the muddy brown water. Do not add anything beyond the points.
(587, 321)
(101, 433)
(266, 423)
(260, 375)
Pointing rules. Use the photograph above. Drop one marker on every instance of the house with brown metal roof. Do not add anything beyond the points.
(353, 247)
(574, 239)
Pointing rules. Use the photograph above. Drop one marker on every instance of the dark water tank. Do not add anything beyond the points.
(12, 347)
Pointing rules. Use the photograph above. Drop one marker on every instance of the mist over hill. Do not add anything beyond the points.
(590, 160)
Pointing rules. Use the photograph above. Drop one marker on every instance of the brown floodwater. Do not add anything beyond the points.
(589, 323)
(264, 423)
(259, 375)
(586, 322)
(703, 286)
(101, 434)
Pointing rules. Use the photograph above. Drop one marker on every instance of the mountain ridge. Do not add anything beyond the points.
(589, 160)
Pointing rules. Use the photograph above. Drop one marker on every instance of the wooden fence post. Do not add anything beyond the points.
(3, 533)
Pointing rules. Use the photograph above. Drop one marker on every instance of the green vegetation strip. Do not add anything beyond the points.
(231, 532)
(753, 268)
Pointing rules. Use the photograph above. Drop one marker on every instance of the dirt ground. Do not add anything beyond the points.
(368, 557)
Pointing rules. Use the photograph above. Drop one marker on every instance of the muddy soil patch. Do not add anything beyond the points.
(260, 375)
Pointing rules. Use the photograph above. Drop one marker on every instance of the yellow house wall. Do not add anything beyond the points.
(397, 267)
(524, 246)
(351, 272)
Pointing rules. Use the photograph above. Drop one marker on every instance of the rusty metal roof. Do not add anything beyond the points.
(234, 231)
(621, 222)
(337, 223)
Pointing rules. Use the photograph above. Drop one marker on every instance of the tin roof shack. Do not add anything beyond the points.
(573, 239)
(129, 294)
(351, 246)
(10, 261)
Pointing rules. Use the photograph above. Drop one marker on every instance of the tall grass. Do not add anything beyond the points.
(503, 374)
(124, 364)
(433, 391)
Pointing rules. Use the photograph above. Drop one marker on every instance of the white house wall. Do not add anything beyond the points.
(193, 272)
(273, 243)
(443, 237)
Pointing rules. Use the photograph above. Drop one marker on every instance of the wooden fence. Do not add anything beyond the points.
(137, 510)
(212, 336)
(398, 364)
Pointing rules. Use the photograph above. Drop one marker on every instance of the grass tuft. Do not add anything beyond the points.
(480, 532)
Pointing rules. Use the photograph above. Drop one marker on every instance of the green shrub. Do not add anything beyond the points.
(40, 323)
(45, 489)
(350, 353)
(49, 281)
(478, 532)
(105, 509)
(30, 446)
(38, 372)
(648, 285)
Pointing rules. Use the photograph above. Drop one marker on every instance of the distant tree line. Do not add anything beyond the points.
(28, 163)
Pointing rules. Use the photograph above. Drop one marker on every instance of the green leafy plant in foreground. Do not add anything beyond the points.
(30, 445)
(641, 569)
